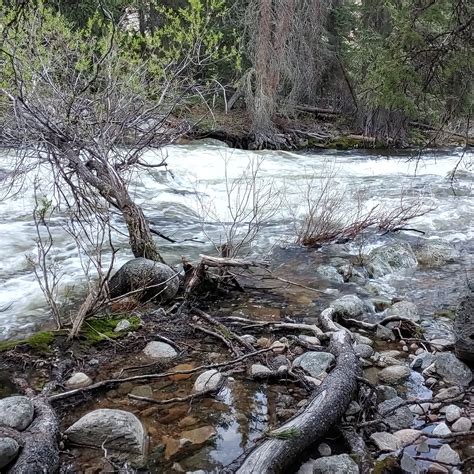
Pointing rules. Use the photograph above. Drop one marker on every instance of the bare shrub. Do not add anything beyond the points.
(326, 216)
(251, 202)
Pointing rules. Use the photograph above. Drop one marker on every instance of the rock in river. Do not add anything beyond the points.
(389, 258)
(208, 380)
(434, 253)
(156, 280)
(16, 412)
(394, 374)
(452, 369)
(396, 416)
(350, 306)
(8, 450)
(404, 309)
(315, 363)
(116, 429)
(385, 441)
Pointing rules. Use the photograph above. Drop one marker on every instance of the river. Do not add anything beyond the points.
(173, 200)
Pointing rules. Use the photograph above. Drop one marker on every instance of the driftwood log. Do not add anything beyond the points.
(328, 403)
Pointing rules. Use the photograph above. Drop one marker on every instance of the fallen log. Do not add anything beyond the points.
(39, 442)
(328, 403)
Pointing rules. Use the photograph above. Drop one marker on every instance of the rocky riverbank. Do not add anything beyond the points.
(181, 393)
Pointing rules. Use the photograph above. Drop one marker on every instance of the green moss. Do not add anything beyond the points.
(40, 342)
(445, 313)
(96, 330)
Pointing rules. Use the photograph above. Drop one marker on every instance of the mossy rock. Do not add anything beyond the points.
(96, 330)
(39, 342)
(445, 313)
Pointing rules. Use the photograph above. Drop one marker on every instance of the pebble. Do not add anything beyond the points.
(419, 351)
(463, 424)
(394, 374)
(452, 412)
(259, 370)
(122, 325)
(158, 350)
(263, 342)
(414, 347)
(405, 348)
(324, 449)
(442, 429)
(430, 381)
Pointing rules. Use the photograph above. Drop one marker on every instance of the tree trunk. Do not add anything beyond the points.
(141, 238)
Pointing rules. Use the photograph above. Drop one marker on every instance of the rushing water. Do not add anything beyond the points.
(194, 190)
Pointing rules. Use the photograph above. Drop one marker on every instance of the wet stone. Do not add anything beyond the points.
(397, 417)
(463, 424)
(9, 449)
(385, 392)
(340, 464)
(78, 380)
(452, 412)
(446, 393)
(142, 391)
(349, 306)
(324, 449)
(314, 363)
(259, 371)
(385, 441)
(16, 412)
(441, 429)
(394, 374)
(447, 455)
(363, 350)
(208, 380)
(452, 369)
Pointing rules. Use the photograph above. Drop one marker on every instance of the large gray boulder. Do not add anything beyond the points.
(340, 464)
(390, 258)
(434, 253)
(157, 281)
(464, 329)
(8, 451)
(404, 309)
(113, 429)
(452, 369)
(16, 412)
(350, 306)
(315, 363)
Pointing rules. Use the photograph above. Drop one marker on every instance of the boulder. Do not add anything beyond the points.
(330, 273)
(16, 412)
(390, 258)
(349, 306)
(452, 413)
(9, 449)
(157, 281)
(404, 309)
(394, 374)
(397, 418)
(385, 441)
(463, 424)
(78, 380)
(453, 371)
(408, 436)
(434, 253)
(158, 350)
(422, 361)
(447, 455)
(464, 329)
(314, 363)
(340, 464)
(208, 380)
(112, 429)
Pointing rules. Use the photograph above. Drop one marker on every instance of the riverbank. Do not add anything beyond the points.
(266, 352)
(314, 128)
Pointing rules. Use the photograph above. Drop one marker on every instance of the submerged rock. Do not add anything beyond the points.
(452, 369)
(464, 329)
(315, 363)
(340, 464)
(158, 350)
(404, 309)
(112, 429)
(390, 258)
(158, 281)
(208, 380)
(434, 253)
(350, 306)
(16, 412)
(394, 374)
(9, 449)
(330, 273)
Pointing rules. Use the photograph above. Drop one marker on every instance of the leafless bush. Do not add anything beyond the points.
(326, 216)
(251, 202)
